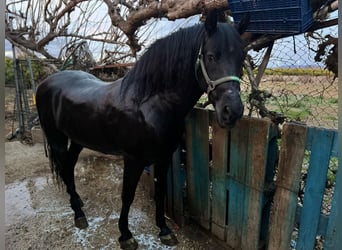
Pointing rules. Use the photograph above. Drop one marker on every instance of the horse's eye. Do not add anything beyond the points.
(211, 58)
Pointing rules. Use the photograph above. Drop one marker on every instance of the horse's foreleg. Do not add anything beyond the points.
(131, 176)
(166, 235)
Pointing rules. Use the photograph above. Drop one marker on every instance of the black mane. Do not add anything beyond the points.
(166, 64)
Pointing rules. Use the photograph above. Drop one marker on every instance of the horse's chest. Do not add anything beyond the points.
(143, 138)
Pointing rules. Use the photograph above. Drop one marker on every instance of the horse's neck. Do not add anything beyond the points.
(180, 102)
(189, 99)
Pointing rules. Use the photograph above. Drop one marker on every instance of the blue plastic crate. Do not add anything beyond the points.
(274, 16)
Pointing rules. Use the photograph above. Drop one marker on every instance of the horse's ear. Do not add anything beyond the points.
(211, 22)
(243, 24)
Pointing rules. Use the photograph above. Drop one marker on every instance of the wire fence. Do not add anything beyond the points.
(295, 86)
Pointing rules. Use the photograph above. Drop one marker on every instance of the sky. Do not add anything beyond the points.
(293, 51)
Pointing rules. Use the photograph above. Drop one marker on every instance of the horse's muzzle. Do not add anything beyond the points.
(229, 115)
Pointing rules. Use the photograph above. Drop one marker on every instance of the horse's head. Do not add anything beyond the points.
(220, 62)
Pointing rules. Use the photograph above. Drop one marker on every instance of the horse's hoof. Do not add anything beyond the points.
(81, 222)
(130, 244)
(169, 239)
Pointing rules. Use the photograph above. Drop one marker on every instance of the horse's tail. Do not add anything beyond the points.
(56, 164)
(55, 159)
(54, 140)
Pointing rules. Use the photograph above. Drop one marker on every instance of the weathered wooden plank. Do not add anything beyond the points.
(334, 147)
(323, 221)
(220, 146)
(176, 182)
(283, 212)
(256, 169)
(235, 213)
(235, 183)
(257, 149)
(321, 146)
(333, 239)
(249, 145)
(197, 143)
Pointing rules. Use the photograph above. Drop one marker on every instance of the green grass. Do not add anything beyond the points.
(332, 169)
(291, 106)
(333, 100)
(299, 108)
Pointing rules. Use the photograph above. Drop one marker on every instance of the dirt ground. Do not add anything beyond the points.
(38, 215)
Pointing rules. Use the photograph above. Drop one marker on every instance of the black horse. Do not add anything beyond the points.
(141, 116)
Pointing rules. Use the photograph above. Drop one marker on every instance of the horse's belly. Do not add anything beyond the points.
(122, 136)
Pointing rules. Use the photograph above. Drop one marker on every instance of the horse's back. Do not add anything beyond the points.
(68, 80)
(65, 86)
(64, 95)
(76, 104)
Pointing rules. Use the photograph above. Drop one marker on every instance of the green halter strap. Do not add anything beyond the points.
(211, 84)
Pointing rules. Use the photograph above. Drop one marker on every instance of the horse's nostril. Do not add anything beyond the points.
(227, 110)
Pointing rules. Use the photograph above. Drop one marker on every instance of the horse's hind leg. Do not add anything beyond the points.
(68, 177)
(64, 161)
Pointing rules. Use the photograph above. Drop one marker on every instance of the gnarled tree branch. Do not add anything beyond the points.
(130, 22)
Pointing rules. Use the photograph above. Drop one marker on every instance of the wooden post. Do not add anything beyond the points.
(246, 176)
(220, 147)
(291, 156)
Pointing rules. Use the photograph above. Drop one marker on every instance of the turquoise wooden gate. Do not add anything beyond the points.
(243, 186)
